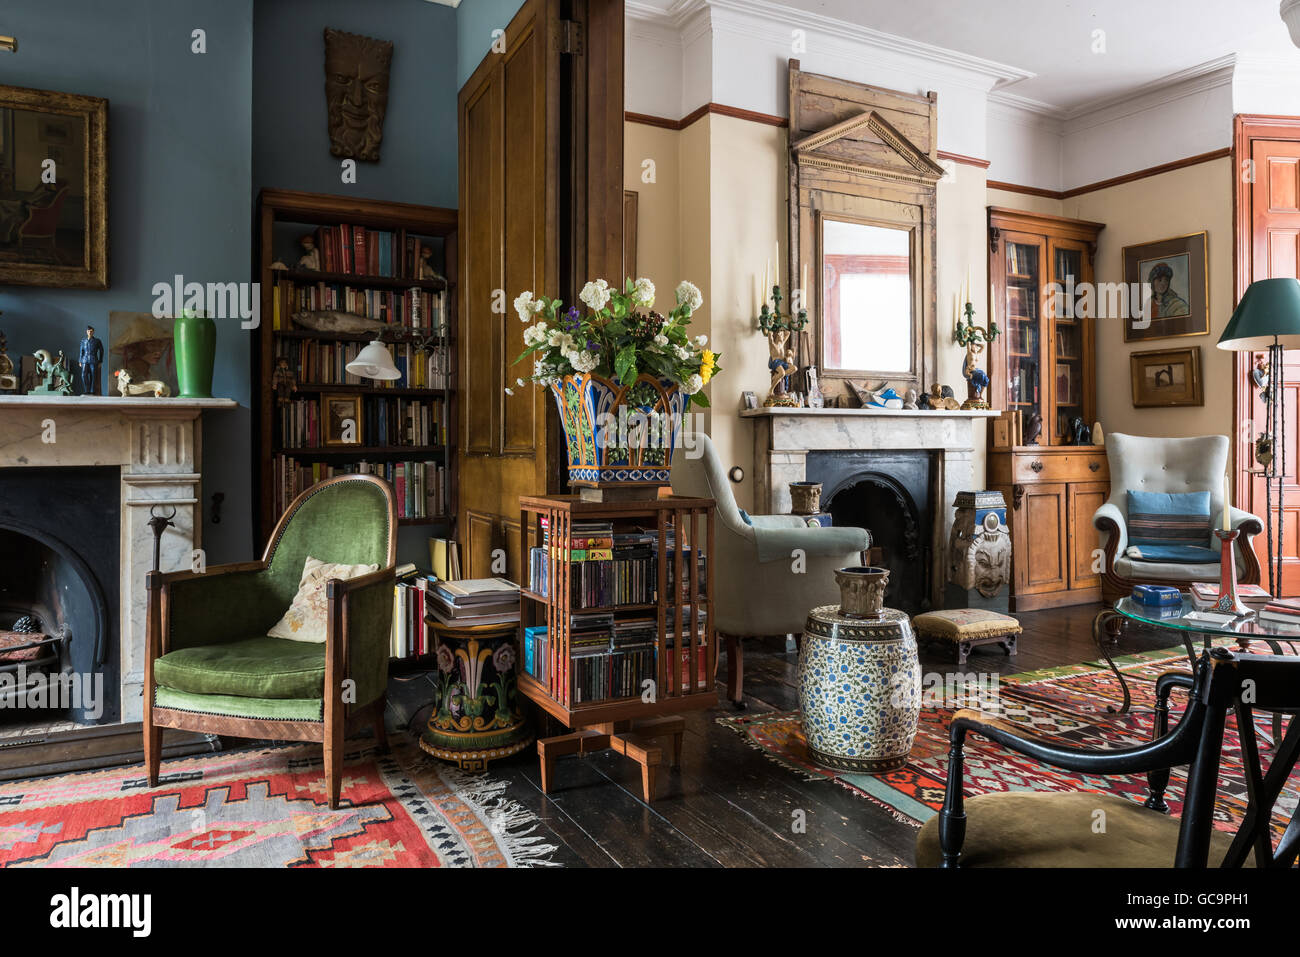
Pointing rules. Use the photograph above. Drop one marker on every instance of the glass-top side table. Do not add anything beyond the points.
(1108, 627)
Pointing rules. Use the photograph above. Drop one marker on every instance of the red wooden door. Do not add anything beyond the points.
(1275, 253)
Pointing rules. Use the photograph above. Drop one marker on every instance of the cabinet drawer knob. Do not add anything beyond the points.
(1094, 465)
(1036, 465)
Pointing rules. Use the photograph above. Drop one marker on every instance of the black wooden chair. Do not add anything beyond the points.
(1087, 829)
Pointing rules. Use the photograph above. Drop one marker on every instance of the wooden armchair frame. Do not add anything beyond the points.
(336, 720)
(1220, 680)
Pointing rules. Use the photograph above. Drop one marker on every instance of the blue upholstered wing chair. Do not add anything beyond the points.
(211, 667)
(757, 590)
(1143, 463)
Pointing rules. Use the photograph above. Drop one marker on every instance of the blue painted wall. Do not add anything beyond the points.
(475, 21)
(290, 137)
(179, 187)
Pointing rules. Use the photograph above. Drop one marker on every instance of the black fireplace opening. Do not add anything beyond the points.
(889, 494)
(59, 539)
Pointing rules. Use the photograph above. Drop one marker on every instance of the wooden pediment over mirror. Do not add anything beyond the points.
(863, 178)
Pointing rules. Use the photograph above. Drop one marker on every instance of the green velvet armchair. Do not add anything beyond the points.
(210, 666)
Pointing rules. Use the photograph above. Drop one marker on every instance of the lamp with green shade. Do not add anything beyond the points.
(1268, 318)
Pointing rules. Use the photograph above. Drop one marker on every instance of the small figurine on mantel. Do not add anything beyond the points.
(52, 373)
(310, 259)
(8, 381)
(90, 358)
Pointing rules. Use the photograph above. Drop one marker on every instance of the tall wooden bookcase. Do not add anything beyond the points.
(683, 671)
(1044, 363)
(282, 216)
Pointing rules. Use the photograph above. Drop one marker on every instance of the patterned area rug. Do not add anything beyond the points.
(266, 808)
(1066, 704)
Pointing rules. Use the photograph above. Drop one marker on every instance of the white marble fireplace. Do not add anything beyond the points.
(784, 437)
(156, 445)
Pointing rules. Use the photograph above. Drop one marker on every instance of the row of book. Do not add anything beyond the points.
(608, 567)
(410, 635)
(324, 362)
(371, 252)
(393, 421)
(421, 488)
(422, 309)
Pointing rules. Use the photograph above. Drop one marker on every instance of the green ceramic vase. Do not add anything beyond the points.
(196, 352)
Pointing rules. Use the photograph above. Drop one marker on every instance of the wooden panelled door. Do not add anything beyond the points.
(534, 182)
(1268, 247)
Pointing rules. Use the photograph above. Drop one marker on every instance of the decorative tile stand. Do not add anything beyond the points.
(859, 689)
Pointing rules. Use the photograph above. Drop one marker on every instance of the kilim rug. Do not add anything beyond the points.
(1066, 704)
(265, 807)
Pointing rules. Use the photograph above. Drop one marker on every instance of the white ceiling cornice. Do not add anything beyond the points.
(752, 16)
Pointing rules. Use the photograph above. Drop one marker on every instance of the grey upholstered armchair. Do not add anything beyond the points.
(1143, 463)
(757, 589)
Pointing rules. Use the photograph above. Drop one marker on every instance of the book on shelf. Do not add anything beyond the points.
(471, 590)
(393, 421)
(318, 362)
(444, 556)
(420, 487)
(475, 617)
(415, 308)
(410, 636)
(536, 652)
(357, 250)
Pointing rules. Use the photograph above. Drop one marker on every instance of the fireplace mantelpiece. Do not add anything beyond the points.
(156, 443)
(784, 437)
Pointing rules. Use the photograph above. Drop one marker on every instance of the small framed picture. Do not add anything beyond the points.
(749, 399)
(1166, 377)
(340, 417)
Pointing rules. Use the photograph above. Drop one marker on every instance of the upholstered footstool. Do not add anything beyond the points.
(967, 628)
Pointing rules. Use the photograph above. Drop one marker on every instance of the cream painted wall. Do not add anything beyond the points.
(658, 189)
(1023, 201)
(1176, 203)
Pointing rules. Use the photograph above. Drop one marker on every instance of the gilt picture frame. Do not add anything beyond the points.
(53, 189)
(1166, 378)
(1168, 285)
(340, 419)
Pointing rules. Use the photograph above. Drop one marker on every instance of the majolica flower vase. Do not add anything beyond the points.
(619, 435)
(477, 715)
(859, 690)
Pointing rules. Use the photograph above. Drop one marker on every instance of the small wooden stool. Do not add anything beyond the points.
(967, 628)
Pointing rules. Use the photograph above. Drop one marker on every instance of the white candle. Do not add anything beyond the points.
(1227, 497)
(767, 278)
(967, 299)
(803, 283)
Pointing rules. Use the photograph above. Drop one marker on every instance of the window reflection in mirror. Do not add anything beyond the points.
(866, 297)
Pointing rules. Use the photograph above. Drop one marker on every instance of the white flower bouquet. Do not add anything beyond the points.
(619, 337)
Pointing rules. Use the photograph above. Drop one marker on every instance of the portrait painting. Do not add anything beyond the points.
(1168, 289)
(143, 346)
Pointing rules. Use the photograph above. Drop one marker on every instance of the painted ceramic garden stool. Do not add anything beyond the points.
(859, 689)
(477, 715)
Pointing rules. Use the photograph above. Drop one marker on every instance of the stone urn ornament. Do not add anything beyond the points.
(862, 590)
(805, 498)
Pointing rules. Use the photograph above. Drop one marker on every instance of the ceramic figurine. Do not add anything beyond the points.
(1079, 434)
(427, 270)
(53, 374)
(1098, 436)
(310, 259)
(910, 399)
(1259, 375)
(923, 401)
(974, 338)
(127, 386)
(283, 381)
(1033, 428)
(90, 357)
(334, 320)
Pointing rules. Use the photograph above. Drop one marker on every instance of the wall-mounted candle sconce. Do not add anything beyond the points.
(8, 44)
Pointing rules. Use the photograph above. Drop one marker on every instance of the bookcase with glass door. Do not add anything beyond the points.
(1043, 369)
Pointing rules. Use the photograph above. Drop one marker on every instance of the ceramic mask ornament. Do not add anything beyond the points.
(356, 93)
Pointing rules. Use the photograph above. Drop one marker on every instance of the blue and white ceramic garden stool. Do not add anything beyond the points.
(859, 689)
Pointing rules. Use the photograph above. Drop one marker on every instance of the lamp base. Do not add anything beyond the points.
(1228, 602)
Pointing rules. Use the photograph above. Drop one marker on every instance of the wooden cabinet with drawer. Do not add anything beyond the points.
(1051, 493)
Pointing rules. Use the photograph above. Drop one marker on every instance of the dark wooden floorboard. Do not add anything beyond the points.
(729, 805)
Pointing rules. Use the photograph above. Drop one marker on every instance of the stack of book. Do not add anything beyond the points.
(1283, 611)
(1205, 594)
(475, 601)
